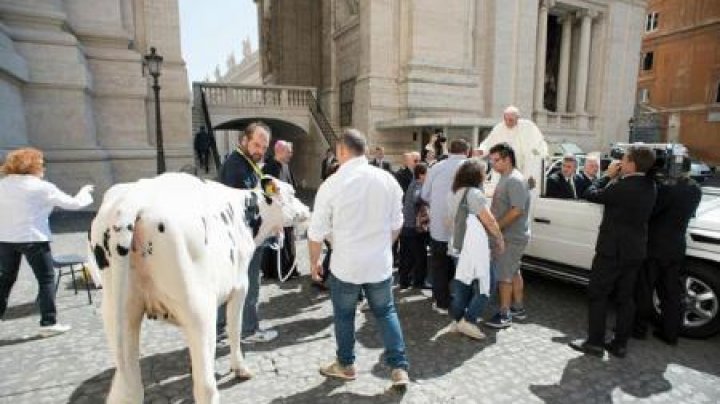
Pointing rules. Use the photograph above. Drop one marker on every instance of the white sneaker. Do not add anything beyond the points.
(471, 330)
(439, 310)
(453, 327)
(260, 336)
(55, 329)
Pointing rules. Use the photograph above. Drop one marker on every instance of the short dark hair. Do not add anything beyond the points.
(254, 126)
(504, 150)
(420, 169)
(458, 146)
(570, 158)
(354, 140)
(471, 173)
(643, 157)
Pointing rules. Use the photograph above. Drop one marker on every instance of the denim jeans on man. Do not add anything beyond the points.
(39, 257)
(467, 302)
(344, 297)
(250, 320)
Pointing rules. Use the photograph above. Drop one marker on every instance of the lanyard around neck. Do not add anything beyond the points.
(252, 164)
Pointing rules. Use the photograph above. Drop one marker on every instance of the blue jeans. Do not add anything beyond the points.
(250, 320)
(39, 257)
(467, 302)
(344, 297)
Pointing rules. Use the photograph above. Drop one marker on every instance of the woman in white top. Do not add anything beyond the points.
(472, 222)
(26, 203)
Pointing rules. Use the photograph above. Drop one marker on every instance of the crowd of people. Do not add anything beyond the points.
(476, 237)
(470, 209)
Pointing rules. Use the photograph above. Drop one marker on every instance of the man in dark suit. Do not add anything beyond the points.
(589, 173)
(565, 184)
(628, 196)
(677, 201)
(326, 163)
(279, 167)
(405, 175)
(379, 160)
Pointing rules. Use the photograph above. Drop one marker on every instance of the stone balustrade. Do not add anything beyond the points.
(254, 96)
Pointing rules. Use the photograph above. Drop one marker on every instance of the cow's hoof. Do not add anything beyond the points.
(243, 373)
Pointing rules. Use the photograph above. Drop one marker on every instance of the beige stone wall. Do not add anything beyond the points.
(420, 65)
(71, 84)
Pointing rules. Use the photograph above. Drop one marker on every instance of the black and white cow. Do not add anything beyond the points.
(175, 247)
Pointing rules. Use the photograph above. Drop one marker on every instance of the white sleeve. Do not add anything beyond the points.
(397, 195)
(60, 199)
(321, 220)
(427, 186)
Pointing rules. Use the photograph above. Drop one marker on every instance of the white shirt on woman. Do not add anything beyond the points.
(26, 202)
(361, 206)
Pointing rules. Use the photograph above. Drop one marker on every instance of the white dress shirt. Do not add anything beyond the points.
(436, 190)
(361, 206)
(26, 202)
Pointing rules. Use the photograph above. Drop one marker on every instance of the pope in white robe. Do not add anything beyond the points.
(526, 140)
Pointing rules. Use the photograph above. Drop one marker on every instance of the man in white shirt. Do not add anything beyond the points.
(361, 207)
(435, 192)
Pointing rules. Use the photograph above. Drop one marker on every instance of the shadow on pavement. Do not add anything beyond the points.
(14, 341)
(426, 339)
(641, 374)
(588, 379)
(20, 311)
(299, 296)
(171, 371)
(322, 393)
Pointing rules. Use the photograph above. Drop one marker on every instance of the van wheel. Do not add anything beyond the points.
(701, 318)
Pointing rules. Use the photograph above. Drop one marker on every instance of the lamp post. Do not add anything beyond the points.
(631, 128)
(153, 63)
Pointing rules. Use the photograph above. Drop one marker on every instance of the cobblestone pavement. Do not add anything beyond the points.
(528, 363)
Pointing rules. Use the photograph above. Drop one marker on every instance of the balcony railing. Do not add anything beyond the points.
(239, 95)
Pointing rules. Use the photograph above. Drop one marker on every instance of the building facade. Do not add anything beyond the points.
(397, 69)
(72, 84)
(679, 74)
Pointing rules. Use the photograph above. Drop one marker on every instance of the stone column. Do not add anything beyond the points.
(540, 54)
(475, 137)
(564, 74)
(583, 61)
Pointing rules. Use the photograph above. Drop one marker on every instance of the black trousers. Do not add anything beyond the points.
(413, 258)
(662, 275)
(443, 271)
(612, 278)
(287, 256)
(39, 257)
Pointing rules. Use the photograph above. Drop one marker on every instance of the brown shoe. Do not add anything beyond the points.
(399, 377)
(339, 371)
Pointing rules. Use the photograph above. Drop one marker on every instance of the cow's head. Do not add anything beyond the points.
(275, 207)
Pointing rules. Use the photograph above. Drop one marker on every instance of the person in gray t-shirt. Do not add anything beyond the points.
(510, 205)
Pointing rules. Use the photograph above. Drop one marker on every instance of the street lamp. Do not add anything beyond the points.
(153, 63)
(631, 127)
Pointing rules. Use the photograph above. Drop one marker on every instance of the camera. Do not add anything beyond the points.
(671, 159)
(441, 138)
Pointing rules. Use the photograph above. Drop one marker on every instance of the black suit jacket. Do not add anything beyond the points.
(404, 177)
(385, 165)
(274, 168)
(237, 172)
(675, 205)
(628, 206)
(583, 183)
(558, 187)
